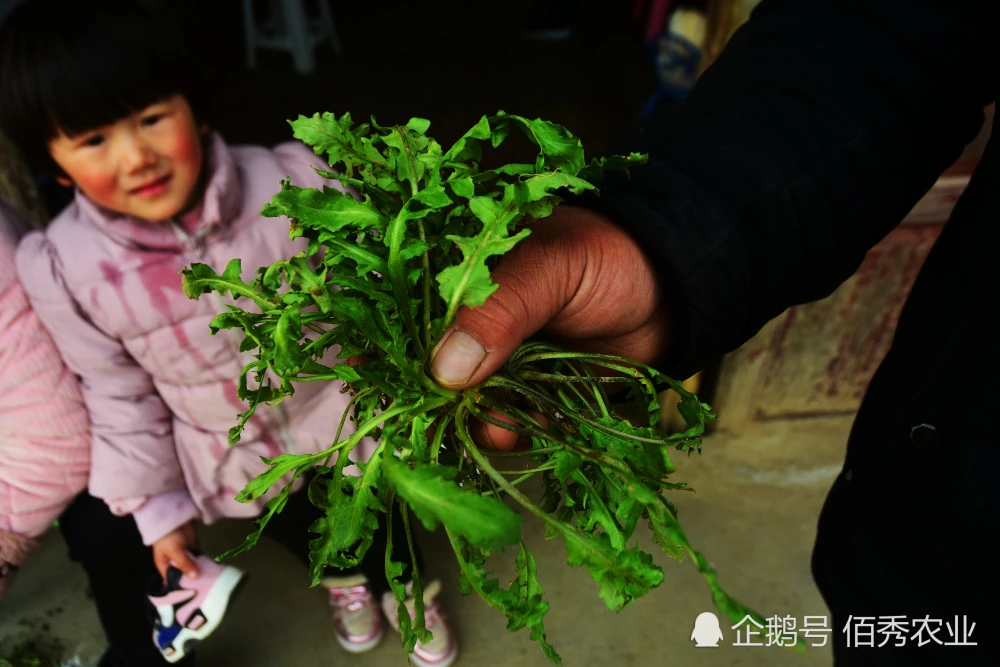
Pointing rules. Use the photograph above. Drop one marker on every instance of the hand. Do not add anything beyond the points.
(579, 279)
(172, 549)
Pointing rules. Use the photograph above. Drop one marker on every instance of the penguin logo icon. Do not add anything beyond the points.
(707, 632)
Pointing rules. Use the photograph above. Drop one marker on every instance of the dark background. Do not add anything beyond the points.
(449, 61)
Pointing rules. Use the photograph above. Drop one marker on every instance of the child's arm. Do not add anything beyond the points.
(134, 465)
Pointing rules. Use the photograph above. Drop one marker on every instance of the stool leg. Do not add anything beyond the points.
(327, 18)
(250, 33)
(300, 43)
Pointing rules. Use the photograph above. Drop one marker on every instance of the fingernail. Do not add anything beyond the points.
(457, 359)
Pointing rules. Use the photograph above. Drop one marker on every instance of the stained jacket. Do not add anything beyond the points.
(160, 389)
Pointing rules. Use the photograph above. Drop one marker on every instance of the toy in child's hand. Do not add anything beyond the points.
(383, 278)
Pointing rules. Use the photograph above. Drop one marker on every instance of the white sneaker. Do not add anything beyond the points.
(356, 621)
(442, 649)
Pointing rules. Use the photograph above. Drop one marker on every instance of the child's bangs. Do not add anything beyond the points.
(103, 81)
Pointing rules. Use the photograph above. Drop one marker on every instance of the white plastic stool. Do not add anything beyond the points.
(289, 29)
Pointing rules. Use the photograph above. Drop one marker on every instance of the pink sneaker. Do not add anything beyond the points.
(442, 649)
(356, 621)
(189, 610)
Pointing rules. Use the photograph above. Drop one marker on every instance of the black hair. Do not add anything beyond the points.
(76, 65)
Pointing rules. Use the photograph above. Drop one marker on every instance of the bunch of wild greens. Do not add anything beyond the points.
(383, 278)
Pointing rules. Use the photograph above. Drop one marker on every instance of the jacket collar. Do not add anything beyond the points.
(218, 205)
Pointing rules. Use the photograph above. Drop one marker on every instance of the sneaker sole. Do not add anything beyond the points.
(360, 648)
(214, 607)
(446, 662)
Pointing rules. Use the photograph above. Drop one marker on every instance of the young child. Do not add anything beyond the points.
(106, 98)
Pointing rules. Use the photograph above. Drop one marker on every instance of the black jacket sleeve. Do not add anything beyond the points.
(809, 139)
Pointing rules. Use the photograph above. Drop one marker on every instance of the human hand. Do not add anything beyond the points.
(173, 549)
(579, 279)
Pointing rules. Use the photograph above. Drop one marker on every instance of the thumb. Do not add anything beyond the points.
(536, 279)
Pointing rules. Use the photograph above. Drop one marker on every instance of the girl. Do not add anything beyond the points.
(105, 97)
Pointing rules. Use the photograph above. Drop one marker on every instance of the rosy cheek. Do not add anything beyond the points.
(185, 148)
(98, 184)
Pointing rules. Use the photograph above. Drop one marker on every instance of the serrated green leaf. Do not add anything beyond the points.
(325, 210)
(622, 576)
(557, 146)
(418, 125)
(201, 279)
(436, 499)
(278, 468)
(467, 147)
(347, 529)
(566, 463)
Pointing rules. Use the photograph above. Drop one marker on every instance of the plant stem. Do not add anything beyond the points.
(348, 411)
(527, 471)
(588, 454)
(556, 377)
(507, 383)
(371, 424)
(484, 465)
(397, 277)
(527, 452)
(426, 280)
(395, 235)
(439, 432)
(417, 590)
(567, 531)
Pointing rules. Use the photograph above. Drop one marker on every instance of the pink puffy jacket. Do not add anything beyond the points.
(44, 435)
(160, 389)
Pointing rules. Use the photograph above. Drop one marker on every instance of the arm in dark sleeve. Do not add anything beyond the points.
(809, 139)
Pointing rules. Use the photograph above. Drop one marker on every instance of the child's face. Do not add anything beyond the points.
(145, 165)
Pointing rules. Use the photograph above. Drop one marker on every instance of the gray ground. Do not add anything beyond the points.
(753, 516)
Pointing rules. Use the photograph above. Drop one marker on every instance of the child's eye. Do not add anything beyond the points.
(152, 119)
(94, 140)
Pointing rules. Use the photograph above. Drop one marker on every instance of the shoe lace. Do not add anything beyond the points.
(350, 599)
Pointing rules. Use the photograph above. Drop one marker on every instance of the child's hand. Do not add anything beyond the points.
(172, 549)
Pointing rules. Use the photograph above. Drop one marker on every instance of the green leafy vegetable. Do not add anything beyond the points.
(383, 278)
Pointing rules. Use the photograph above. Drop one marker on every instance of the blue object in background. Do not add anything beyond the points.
(675, 59)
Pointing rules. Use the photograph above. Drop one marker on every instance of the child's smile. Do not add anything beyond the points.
(145, 165)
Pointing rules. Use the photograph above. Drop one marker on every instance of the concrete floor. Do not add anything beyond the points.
(753, 516)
